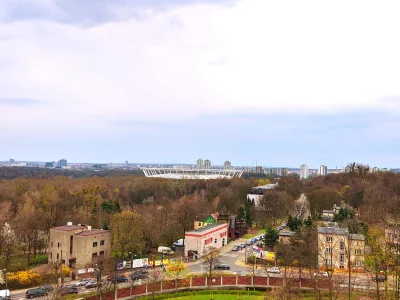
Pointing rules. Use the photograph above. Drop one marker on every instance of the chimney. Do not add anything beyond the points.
(69, 223)
(89, 228)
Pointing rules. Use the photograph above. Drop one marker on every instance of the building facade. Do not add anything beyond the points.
(199, 164)
(337, 248)
(207, 164)
(227, 165)
(198, 241)
(77, 245)
(323, 170)
(304, 172)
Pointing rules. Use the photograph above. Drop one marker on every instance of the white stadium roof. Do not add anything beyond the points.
(186, 173)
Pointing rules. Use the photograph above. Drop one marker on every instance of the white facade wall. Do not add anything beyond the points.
(199, 240)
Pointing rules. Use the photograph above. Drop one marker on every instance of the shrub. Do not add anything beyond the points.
(24, 279)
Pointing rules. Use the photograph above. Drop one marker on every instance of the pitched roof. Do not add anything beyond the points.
(333, 230)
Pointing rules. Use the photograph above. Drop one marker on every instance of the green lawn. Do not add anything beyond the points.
(215, 295)
(19, 262)
(221, 297)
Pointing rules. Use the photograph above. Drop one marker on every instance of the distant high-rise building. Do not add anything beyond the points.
(49, 164)
(323, 170)
(200, 164)
(280, 172)
(259, 170)
(126, 163)
(248, 170)
(303, 172)
(62, 163)
(207, 164)
(12, 160)
(227, 165)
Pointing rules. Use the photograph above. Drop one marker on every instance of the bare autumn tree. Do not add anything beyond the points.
(210, 258)
(186, 210)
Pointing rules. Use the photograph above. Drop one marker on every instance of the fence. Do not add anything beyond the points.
(206, 282)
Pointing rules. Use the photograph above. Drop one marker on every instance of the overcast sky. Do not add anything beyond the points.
(278, 82)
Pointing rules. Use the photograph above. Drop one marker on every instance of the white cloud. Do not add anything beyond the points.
(184, 62)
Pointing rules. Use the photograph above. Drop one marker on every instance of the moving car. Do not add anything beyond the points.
(139, 274)
(118, 278)
(91, 284)
(38, 292)
(275, 270)
(68, 289)
(83, 282)
(236, 248)
(222, 267)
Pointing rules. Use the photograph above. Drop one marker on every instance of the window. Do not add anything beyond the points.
(51, 255)
(51, 244)
(357, 252)
(94, 244)
(71, 241)
(58, 256)
(101, 253)
(341, 266)
(329, 239)
(341, 257)
(102, 243)
(58, 245)
(199, 224)
(328, 262)
(359, 263)
(328, 250)
(94, 255)
(208, 241)
(215, 241)
(341, 245)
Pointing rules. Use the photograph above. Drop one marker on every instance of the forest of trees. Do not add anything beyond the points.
(166, 208)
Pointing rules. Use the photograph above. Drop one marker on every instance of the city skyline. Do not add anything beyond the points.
(174, 80)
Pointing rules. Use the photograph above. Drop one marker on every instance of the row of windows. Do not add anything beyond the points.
(95, 243)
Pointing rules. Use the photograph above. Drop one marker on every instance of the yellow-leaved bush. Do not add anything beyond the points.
(22, 279)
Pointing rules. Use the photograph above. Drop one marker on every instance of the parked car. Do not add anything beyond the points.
(139, 274)
(47, 288)
(83, 282)
(321, 274)
(242, 245)
(222, 267)
(91, 284)
(379, 278)
(236, 248)
(280, 228)
(253, 240)
(68, 289)
(275, 270)
(118, 278)
(38, 292)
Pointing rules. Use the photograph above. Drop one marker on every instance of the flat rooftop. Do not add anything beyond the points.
(208, 227)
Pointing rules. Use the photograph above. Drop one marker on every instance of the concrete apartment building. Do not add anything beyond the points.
(213, 235)
(337, 247)
(77, 245)
(304, 172)
(392, 234)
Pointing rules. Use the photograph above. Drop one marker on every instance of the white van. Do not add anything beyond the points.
(5, 294)
(179, 243)
(165, 250)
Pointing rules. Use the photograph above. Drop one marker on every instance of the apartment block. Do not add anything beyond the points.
(337, 248)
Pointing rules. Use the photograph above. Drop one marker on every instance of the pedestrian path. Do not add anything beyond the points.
(232, 254)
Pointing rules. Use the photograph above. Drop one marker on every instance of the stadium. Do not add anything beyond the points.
(186, 173)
